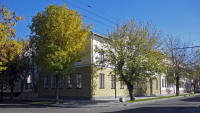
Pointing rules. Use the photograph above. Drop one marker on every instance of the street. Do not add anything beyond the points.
(190, 104)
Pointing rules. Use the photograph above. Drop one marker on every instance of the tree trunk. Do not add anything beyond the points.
(130, 89)
(194, 87)
(177, 86)
(1, 98)
(22, 90)
(57, 90)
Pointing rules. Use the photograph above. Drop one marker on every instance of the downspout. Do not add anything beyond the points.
(160, 85)
(92, 69)
(115, 86)
(115, 83)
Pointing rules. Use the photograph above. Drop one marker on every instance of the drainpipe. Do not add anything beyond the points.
(115, 83)
(92, 89)
(115, 86)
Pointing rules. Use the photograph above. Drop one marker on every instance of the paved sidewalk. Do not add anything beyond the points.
(108, 102)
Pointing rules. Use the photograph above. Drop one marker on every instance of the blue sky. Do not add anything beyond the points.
(177, 17)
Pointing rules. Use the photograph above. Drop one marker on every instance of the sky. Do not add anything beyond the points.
(180, 18)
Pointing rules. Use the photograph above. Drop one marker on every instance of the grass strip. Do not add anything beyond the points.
(155, 98)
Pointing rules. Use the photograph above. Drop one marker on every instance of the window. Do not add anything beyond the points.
(101, 81)
(112, 81)
(45, 82)
(163, 82)
(156, 84)
(69, 81)
(60, 84)
(134, 86)
(53, 82)
(121, 84)
(78, 81)
(101, 55)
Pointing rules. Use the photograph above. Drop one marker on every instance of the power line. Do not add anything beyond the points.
(99, 16)
(97, 21)
(90, 6)
(189, 47)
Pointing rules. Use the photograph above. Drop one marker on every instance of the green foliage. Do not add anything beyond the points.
(134, 52)
(59, 37)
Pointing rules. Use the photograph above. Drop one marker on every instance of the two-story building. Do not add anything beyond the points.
(86, 81)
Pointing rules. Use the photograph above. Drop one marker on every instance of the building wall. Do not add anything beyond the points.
(167, 89)
(107, 91)
(74, 92)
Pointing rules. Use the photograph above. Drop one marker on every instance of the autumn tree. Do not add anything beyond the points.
(133, 51)
(8, 20)
(13, 50)
(59, 36)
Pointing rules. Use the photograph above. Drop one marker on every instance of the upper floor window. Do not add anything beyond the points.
(101, 81)
(101, 55)
(79, 81)
(112, 81)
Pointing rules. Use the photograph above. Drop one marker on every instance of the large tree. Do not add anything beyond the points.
(13, 50)
(180, 61)
(8, 20)
(60, 37)
(133, 51)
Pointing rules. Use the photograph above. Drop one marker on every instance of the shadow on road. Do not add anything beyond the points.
(160, 110)
(193, 99)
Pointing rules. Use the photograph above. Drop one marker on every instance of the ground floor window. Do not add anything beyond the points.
(60, 84)
(69, 81)
(79, 81)
(45, 82)
(101, 81)
(121, 84)
(163, 83)
(53, 82)
(156, 84)
(112, 81)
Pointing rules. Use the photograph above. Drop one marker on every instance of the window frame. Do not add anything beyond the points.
(157, 84)
(78, 81)
(53, 82)
(121, 84)
(45, 81)
(112, 81)
(101, 81)
(69, 81)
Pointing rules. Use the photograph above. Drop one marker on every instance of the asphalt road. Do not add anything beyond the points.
(176, 105)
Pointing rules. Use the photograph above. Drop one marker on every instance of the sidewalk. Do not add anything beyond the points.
(108, 102)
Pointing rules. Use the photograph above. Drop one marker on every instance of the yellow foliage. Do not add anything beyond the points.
(59, 36)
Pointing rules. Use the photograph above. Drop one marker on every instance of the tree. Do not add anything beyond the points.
(179, 61)
(8, 20)
(195, 70)
(133, 51)
(60, 37)
(13, 50)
